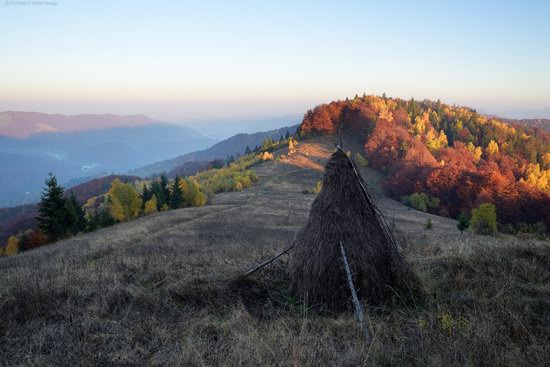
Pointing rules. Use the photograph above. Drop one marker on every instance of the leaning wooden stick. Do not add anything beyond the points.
(267, 262)
(355, 299)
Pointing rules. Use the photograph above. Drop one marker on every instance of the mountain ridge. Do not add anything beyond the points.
(23, 124)
(232, 146)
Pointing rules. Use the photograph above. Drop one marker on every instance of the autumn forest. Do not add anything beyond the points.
(451, 155)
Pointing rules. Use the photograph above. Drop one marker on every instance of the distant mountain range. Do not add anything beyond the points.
(531, 114)
(223, 129)
(18, 124)
(540, 123)
(190, 163)
(77, 150)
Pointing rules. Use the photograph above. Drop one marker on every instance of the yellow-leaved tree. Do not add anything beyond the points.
(125, 202)
(537, 177)
(546, 160)
(192, 196)
(150, 206)
(291, 147)
(492, 148)
(476, 151)
(436, 141)
(12, 247)
(420, 123)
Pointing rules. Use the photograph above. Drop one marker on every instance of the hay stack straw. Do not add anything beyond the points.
(344, 212)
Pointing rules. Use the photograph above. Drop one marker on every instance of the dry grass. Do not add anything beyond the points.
(164, 290)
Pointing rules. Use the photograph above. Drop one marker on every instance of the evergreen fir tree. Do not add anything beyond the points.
(156, 189)
(75, 215)
(463, 222)
(52, 211)
(103, 217)
(176, 199)
(247, 151)
(287, 135)
(146, 194)
(165, 189)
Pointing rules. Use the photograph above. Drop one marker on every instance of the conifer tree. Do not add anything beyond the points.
(52, 211)
(145, 195)
(156, 190)
(176, 196)
(287, 134)
(248, 151)
(103, 217)
(165, 189)
(75, 215)
(463, 222)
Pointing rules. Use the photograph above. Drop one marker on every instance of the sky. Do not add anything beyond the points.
(199, 60)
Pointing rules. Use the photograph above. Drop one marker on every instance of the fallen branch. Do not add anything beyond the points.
(358, 308)
(267, 262)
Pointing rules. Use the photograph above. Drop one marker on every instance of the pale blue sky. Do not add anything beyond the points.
(181, 60)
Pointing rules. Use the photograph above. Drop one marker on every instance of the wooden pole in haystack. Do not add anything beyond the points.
(355, 300)
(267, 262)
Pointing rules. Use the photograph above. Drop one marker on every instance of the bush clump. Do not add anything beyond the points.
(420, 201)
(484, 219)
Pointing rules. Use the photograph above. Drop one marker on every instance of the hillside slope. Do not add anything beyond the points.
(233, 146)
(20, 218)
(450, 153)
(165, 289)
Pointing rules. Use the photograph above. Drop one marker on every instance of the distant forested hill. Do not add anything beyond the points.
(452, 154)
(233, 146)
(540, 123)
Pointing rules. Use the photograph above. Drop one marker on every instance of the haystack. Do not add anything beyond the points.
(344, 212)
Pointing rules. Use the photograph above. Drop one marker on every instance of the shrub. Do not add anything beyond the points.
(12, 247)
(361, 161)
(484, 219)
(150, 206)
(267, 156)
(429, 224)
(34, 238)
(463, 222)
(319, 186)
(420, 201)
